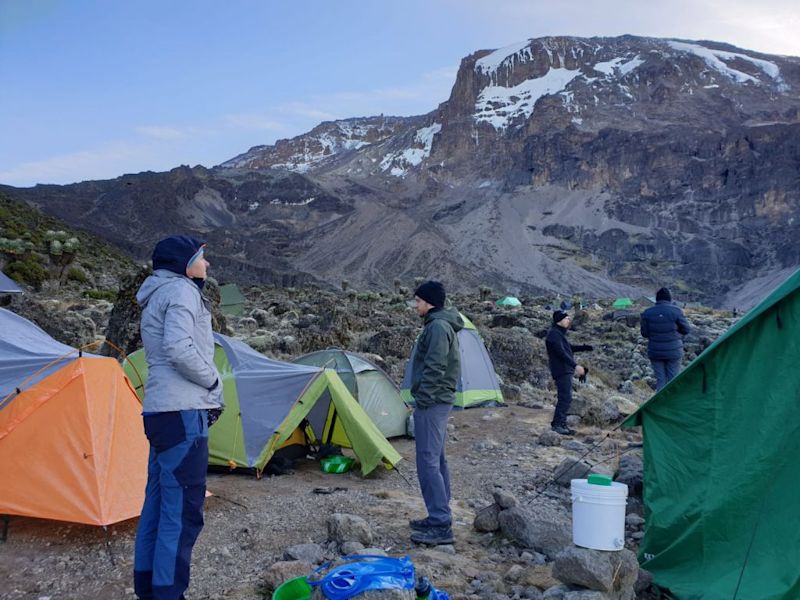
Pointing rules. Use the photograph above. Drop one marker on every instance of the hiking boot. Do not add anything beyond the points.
(433, 536)
(563, 430)
(420, 524)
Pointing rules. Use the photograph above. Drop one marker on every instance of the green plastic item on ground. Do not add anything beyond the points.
(337, 464)
(293, 589)
(599, 479)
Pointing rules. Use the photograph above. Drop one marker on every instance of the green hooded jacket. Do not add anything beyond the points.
(437, 363)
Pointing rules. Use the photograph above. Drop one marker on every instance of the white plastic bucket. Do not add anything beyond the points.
(598, 514)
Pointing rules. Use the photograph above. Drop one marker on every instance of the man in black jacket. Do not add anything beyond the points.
(664, 327)
(435, 372)
(562, 368)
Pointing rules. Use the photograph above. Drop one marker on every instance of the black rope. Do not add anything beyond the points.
(6, 521)
(108, 546)
(778, 319)
(750, 546)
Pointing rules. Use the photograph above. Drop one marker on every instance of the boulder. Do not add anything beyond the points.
(344, 528)
(613, 573)
(543, 528)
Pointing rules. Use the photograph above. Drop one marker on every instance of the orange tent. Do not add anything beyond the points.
(72, 445)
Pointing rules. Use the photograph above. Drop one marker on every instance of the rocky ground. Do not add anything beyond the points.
(259, 532)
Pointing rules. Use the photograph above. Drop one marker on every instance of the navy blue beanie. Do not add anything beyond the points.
(663, 294)
(175, 252)
(432, 292)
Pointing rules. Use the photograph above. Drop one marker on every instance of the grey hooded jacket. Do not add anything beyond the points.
(178, 344)
(436, 366)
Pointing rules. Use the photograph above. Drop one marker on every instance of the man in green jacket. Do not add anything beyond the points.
(436, 369)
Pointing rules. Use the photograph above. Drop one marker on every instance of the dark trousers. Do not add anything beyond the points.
(430, 432)
(172, 515)
(564, 390)
(665, 370)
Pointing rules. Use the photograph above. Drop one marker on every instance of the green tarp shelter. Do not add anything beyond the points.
(622, 303)
(231, 300)
(508, 301)
(478, 385)
(721, 448)
(267, 400)
(369, 385)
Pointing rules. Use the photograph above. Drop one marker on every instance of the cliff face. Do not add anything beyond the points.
(575, 165)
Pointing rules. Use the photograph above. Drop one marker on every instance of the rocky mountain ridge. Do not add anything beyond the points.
(596, 166)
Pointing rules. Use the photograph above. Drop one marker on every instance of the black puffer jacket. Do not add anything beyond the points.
(560, 352)
(664, 325)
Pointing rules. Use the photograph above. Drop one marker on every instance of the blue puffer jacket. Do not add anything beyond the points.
(664, 325)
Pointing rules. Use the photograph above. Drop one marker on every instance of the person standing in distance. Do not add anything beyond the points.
(182, 399)
(436, 369)
(562, 367)
(664, 327)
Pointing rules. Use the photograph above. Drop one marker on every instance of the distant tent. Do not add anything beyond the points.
(8, 285)
(266, 401)
(646, 300)
(231, 300)
(721, 447)
(72, 445)
(509, 301)
(376, 393)
(478, 385)
(622, 303)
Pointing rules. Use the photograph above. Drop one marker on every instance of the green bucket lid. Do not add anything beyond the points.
(293, 589)
(599, 479)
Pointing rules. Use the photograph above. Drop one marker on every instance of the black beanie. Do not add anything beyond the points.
(559, 315)
(432, 292)
(175, 252)
(663, 294)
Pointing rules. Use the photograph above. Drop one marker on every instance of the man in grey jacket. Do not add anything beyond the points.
(435, 371)
(182, 398)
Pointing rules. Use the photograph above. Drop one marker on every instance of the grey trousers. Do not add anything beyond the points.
(430, 431)
(665, 370)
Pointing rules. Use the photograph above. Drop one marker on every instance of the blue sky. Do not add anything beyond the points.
(95, 89)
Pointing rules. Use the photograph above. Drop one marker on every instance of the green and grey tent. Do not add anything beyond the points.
(231, 300)
(721, 447)
(376, 393)
(478, 385)
(509, 301)
(267, 401)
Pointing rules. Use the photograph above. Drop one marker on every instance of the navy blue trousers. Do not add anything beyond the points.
(430, 432)
(564, 390)
(665, 370)
(172, 515)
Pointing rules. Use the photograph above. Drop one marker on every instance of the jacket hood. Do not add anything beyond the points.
(446, 314)
(153, 283)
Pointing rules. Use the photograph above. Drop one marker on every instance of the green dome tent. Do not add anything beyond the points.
(721, 447)
(231, 300)
(266, 401)
(478, 385)
(509, 301)
(622, 303)
(370, 386)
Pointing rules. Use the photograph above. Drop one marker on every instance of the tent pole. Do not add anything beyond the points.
(108, 546)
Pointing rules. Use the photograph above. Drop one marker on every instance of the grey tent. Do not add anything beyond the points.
(478, 385)
(7, 285)
(376, 393)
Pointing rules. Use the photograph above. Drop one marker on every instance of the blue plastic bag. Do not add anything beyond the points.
(366, 572)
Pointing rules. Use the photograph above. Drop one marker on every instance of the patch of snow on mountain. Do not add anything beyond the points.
(609, 67)
(397, 161)
(715, 59)
(515, 52)
(498, 106)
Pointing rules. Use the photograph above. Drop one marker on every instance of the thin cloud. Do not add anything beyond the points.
(162, 133)
(252, 121)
